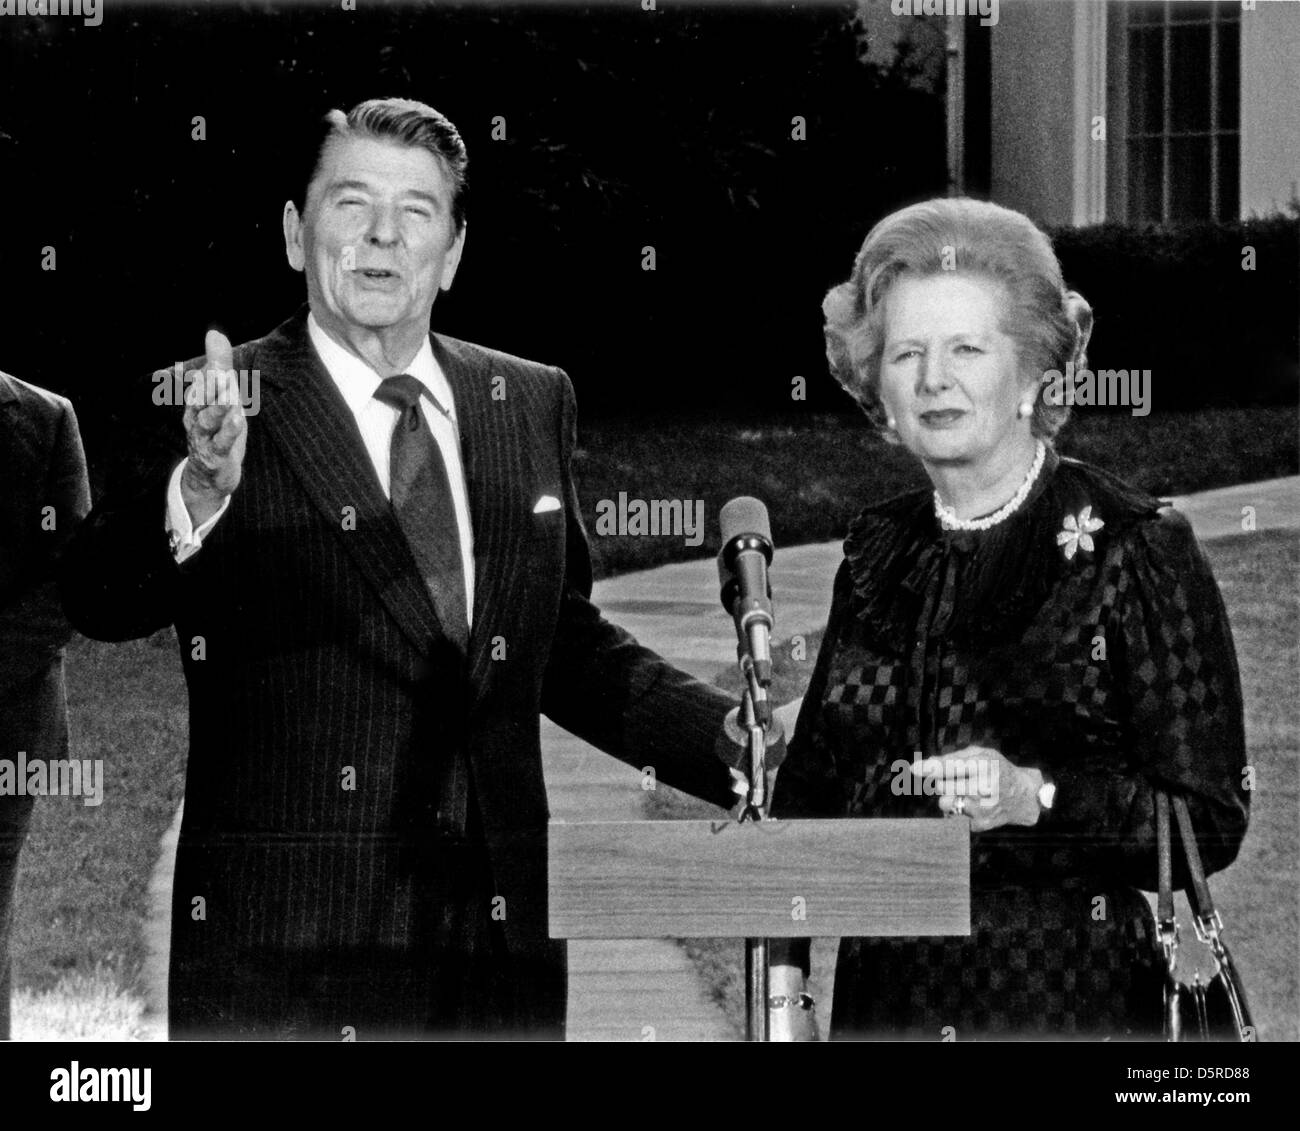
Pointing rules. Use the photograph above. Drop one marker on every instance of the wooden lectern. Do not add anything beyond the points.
(756, 878)
(759, 879)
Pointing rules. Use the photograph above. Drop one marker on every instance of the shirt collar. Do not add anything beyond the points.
(357, 382)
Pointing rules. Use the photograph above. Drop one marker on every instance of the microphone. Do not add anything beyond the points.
(746, 591)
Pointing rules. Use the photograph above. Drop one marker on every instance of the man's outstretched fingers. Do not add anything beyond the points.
(217, 351)
(223, 440)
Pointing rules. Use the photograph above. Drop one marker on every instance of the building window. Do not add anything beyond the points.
(1184, 93)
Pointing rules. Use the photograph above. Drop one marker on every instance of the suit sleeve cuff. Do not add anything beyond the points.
(186, 539)
(1080, 802)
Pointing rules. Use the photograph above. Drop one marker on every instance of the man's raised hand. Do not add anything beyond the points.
(216, 429)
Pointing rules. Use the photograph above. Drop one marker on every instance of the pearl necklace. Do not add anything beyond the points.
(947, 516)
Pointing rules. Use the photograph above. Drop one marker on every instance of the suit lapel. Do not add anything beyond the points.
(493, 460)
(317, 433)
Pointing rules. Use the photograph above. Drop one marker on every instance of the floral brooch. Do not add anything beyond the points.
(1078, 532)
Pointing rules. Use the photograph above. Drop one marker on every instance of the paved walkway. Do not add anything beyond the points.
(626, 990)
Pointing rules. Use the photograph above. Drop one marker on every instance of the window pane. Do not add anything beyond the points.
(1191, 11)
(1146, 80)
(1229, 173)
(1189, 78)
(1189, 178)
(1144, 181)
(1228, 13)
(1144, 11)
(1229, 76)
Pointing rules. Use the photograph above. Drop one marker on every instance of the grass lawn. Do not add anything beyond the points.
(1259, 895)
(80, 903)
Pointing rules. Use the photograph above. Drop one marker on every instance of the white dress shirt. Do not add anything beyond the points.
(357, 382)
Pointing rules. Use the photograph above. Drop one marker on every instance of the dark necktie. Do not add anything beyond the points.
(421, 497)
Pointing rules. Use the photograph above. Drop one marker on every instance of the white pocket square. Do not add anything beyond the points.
(546, 504)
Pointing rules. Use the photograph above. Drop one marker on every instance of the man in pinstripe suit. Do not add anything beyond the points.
(363, 846)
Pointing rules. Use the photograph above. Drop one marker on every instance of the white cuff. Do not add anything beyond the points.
(186, 540)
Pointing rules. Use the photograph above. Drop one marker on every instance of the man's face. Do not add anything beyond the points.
(376, 239)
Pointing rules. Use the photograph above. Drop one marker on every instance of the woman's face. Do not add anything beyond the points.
(949, 376)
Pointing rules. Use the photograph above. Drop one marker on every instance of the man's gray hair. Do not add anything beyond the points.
(401, 120)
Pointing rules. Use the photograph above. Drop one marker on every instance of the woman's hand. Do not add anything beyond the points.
(993, 791)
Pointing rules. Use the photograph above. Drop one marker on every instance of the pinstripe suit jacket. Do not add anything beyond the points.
(338, 743)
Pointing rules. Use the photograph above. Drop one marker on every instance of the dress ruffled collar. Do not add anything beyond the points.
(896, 552)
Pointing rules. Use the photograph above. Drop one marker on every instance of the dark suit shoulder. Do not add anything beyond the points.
(534, 389)
(32, 398)
(483, 357)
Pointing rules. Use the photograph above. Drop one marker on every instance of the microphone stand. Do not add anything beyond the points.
(755, 717)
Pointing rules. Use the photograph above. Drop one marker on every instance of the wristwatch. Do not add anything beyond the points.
(1046, 793)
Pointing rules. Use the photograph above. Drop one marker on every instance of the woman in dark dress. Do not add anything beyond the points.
(1031, 646)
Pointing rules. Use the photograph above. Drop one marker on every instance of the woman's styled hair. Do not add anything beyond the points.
(1049, 324)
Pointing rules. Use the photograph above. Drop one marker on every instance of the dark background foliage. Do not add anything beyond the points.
(624, 128)
(1177, 301)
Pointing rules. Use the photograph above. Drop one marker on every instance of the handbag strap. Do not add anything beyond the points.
(1199, 893)
(1205, 918)
(1167, 923)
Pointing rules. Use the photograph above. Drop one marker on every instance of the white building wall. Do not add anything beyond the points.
(1048, 78)
(1270, 106)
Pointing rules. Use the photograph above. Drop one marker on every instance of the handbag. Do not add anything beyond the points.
(1203, 1011)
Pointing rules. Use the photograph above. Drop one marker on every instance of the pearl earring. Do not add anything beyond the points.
(1026, 409)
(891, 423)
